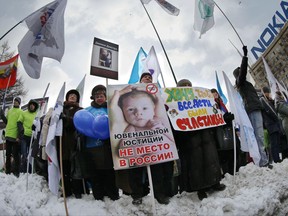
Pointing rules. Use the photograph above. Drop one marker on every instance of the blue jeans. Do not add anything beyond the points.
(257, 124)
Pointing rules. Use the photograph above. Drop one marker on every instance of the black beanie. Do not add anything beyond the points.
(144, 74)
(97, 90)
(73, 91)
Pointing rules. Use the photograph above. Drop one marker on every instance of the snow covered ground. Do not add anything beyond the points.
(253, 191)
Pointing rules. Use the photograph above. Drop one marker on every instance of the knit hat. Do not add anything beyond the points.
(18, 99)
(144, 74)
(73, 91)
(184, 82)
(266, 89)
(99, 89)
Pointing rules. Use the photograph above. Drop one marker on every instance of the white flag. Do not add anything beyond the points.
(204, 15)
(273, 82)
(151, 65)
(55, 129)
(247, 136)
(169, 8)
(45, 37)
(80, 89)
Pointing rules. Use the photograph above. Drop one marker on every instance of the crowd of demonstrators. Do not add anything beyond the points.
(69, 143)
(200, 168)
(24, 124)
(271, 123)
(253, 106)
(201, 156)
(13, 145)
(98, 153)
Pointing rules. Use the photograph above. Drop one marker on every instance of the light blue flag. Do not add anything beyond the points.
(221, 94)
(137, 67)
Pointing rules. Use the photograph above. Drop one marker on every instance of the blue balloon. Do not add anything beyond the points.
(101, 127)
(83, 121)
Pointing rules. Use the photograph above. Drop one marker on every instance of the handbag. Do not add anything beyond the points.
(225, 138)
(79, 168)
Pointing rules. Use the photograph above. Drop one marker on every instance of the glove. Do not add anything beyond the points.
(245, 51)
(33, 127)
(62, 116)
(228, 117)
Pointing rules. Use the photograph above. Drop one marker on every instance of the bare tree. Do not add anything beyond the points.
(18, 89)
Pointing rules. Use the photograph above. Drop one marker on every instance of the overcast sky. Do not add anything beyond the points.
(124, 22)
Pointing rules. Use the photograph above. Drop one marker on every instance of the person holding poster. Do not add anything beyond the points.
(142, 136)
(200, 169)
(99, 158)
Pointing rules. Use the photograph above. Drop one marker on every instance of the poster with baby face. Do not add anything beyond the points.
(191, 108)
(140, 131)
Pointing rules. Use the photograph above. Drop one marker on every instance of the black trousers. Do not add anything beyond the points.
(12, 149)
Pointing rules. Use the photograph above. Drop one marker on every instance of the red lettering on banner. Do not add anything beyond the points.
(151, 148)
(150, 159)
(200, 121)
(123, 163)
(125, 152)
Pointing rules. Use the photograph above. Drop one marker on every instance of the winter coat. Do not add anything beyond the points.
(270, 117)
(69, 139)
(199, 159)
(246, 89)
(98, 152)
(11, 130)
(25, 120)
(282, 110)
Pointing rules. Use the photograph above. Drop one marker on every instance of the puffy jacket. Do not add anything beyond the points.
(25, 120)
(12, 116)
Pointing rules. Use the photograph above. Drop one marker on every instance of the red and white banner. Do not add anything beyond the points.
(140, 131)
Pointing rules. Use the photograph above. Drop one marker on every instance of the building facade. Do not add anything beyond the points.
(276, 56)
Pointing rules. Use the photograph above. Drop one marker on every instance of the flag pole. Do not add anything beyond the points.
(229, 22)
(160, 42)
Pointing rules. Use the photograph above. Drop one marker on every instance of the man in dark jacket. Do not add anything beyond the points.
(252, 105)
(272, 123)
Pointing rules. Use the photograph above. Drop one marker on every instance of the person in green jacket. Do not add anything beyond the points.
(12, 136)
(24, 123)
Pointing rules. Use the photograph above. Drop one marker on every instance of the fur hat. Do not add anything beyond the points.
(18, 99)
(73, 91)
(144, 74)
(266, 89)
(35, 104)
(184, 82)
(99, 89)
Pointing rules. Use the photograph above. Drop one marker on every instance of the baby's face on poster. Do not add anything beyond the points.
(138, 111)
